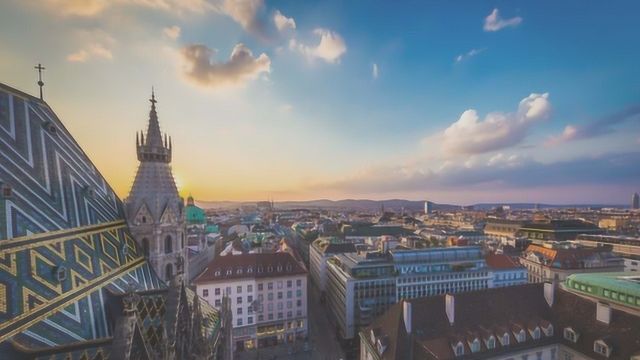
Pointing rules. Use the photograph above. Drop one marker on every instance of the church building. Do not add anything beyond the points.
(154, 209)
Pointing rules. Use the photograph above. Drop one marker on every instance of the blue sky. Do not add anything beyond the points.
(470, 101)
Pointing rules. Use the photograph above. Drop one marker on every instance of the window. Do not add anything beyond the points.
(491, 343)
(270, 306)
(289, 294)
(239, 300)
(260, 317)
(250, 320)
(217, 303)
(239, 311)
(280, 315)
(298, 303)
(536, 333)
(270, 286)
(239, 289)
(298, 282)
(145, 247)
(205, 293)
(239, 322)
(280, 306)
(168, 271)
(271, 316)
(475, 345)
(249, 288)
(270, 296)
(521, 337)
(279, 284)
(279, 295)
(289, 314)
(249, 299)
(217, 291)
(570, 335)
(289, 283)
(505, 339)
(168, 245)
(459, 349)
(601, 348)
(260, 287)
(298, 293)
(289, 304)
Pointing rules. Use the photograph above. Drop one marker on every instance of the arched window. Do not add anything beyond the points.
(169, 271)
(145, 247)
(168, 246)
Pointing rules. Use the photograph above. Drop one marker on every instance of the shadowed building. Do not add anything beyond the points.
(154, 209)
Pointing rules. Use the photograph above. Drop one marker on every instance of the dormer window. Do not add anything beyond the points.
(491, 343)
(536, 333)
(505, 339)
(250, 269)
(259, 269)
(229, 271)
(521, 336)
(270, 269)
(217, 273)
(475, 345)
(459, 349)
(548, 331)
(571, 335)
(601, 348)
(239, 271)
(279, 268)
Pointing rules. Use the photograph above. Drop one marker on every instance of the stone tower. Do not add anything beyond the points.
(154, 209)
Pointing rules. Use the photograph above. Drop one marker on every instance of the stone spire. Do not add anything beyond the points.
(152, 147)
(154, 208)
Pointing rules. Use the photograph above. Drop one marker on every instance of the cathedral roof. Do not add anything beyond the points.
(65, 249)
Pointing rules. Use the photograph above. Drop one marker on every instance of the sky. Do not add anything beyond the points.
(450, 101)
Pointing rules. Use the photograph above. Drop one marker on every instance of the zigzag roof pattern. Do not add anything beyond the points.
(64, 244)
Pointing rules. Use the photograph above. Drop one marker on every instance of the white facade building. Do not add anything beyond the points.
(268, 297)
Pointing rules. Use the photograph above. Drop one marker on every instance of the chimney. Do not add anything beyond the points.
(549, 289)
(406, 314)
(603, 313)
(450, 307)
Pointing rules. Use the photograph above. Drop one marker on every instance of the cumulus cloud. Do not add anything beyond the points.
(498, 130)
(493, 22)
(469, 54)
(172, 32)
(599, 127)
(247, 14)
(375, 72)
(282, 22)
(242, 65)
(330, 48)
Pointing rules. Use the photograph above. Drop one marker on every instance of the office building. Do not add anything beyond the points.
(626, 246)
(320, 251)
(363, 286)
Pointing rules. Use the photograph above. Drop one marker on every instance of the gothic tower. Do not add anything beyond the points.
(154, 209)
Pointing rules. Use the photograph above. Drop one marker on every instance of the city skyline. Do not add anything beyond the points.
(296, 101)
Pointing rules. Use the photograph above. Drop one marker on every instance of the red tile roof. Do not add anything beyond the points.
(250, 266)
(500, 261)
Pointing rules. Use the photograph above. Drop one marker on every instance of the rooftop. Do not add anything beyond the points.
(260, 265)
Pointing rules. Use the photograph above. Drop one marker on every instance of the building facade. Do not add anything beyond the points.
(267, 297)
(154, 209)
(626, 246)
(556, 261)
(320, 251)
(505, 270)
(556, 230)
(361, 287)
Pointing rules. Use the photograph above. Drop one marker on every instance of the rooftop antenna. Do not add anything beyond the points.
(40, 82)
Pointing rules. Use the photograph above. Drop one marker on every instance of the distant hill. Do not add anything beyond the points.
(391, 204)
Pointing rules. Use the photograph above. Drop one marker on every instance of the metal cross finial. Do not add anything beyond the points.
(153, 96)
(40, 82)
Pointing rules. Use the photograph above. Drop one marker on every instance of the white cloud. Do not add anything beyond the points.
(200, 68)
(330, 48)
(285, 108)
(246, 13)
(469, 54)
(493, 22)
(282, 22)
(172, 32)
(98, 45)
(471, 135)
(375, 72)
(89, 8)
